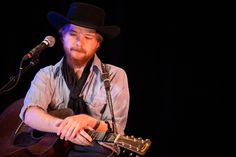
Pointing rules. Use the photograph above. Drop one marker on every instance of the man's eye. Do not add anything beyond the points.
(72, 34)
(88, 37)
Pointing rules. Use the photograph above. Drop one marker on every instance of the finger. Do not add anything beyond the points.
(85, 135)
(78, 140)
(61, 126)
(69, 132)
(81, 140)
(75, 131)
(64, 131)
(89, 128)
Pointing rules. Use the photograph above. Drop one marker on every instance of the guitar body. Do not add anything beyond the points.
(46, 146)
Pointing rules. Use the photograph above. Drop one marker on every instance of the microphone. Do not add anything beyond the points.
(48, 41)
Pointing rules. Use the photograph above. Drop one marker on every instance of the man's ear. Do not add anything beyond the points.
(99, 46)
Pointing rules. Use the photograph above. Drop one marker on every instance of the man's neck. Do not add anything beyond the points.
(77, 67)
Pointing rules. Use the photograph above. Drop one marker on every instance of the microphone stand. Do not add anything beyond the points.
(105, 77)
(15, 79)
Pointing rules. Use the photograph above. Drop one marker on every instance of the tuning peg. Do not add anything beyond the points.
(147, 139)
(123, 151)
(139, 138)
(130, 154)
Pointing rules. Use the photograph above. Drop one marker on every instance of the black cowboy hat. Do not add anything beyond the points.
(85, 15)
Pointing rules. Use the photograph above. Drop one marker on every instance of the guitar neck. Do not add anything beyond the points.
(137, 145)
(100, 136)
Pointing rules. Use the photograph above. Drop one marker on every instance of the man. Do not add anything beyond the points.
(76, 82)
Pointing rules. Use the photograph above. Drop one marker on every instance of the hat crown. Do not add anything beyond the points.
(87, 14)
(84, 15)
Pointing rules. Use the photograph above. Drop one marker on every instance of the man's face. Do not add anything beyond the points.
(80, 43)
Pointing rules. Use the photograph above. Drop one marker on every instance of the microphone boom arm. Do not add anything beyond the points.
(15, 79)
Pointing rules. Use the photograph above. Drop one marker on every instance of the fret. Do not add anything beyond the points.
(110, 137)
(100, 136)
(95, 135)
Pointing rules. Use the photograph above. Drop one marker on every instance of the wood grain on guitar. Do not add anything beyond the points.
(19, 139)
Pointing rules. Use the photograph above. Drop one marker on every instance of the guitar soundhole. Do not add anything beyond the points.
(37, 134)
(25, 139)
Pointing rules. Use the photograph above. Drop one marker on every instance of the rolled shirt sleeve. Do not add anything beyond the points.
(39, 93)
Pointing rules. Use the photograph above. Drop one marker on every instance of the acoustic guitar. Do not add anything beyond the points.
(18, 139)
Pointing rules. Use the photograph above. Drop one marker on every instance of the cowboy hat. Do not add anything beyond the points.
(85, 15)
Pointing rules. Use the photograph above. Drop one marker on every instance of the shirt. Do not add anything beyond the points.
(49, 90)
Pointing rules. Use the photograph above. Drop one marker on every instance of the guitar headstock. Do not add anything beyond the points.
(137, 145)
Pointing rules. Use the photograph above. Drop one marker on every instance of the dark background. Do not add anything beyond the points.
(162, 80)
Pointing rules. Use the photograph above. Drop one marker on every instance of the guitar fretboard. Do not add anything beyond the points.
(99, 136)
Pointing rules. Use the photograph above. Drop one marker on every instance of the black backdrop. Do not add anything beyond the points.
(160, 82)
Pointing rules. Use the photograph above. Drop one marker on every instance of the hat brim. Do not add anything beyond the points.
(58, 21)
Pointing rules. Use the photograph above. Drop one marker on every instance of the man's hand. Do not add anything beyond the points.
(82, 138)
(72, 129)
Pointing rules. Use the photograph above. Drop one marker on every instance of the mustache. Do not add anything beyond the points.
(80, 49)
